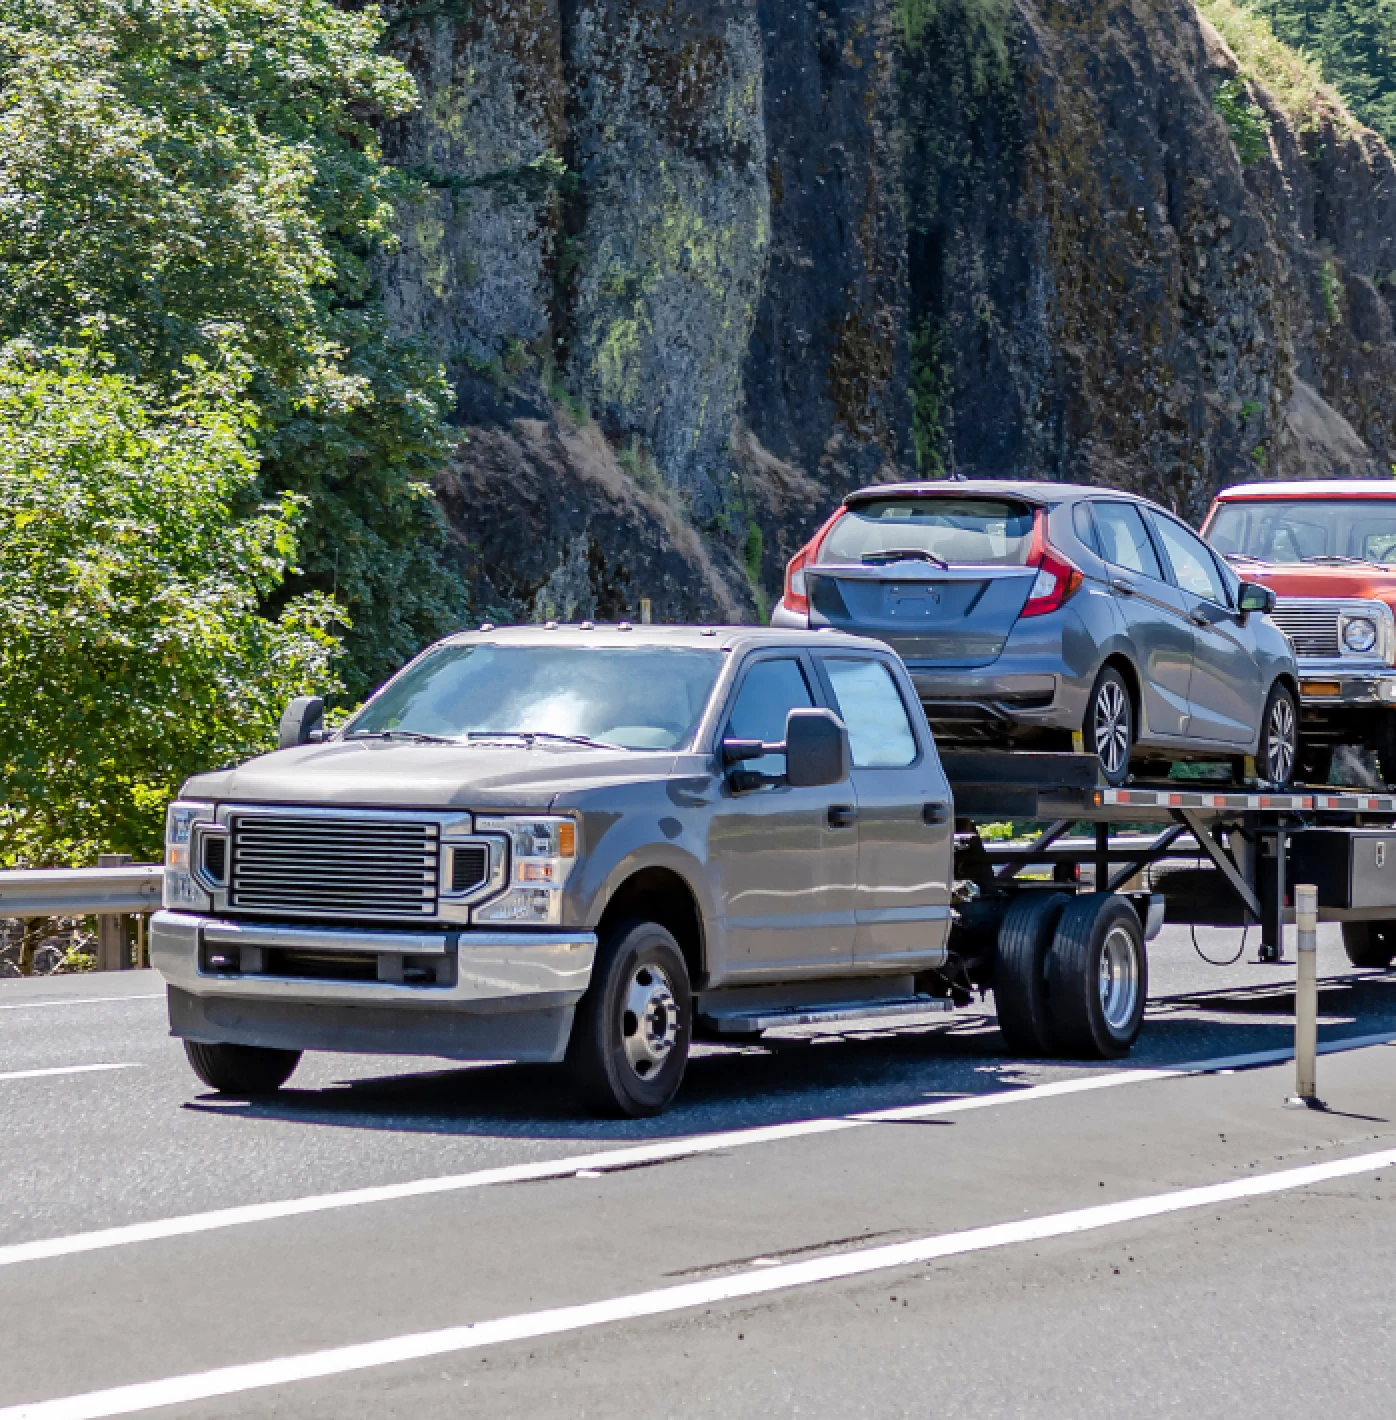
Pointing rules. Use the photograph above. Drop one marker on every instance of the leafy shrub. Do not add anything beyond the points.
(1244, 119)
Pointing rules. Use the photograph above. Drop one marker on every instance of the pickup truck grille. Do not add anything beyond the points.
(1312, 629)
(322, 866)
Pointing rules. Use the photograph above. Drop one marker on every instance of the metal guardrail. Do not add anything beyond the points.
(80, 892)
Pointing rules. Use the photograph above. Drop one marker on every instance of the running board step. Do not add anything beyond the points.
(769, 1017)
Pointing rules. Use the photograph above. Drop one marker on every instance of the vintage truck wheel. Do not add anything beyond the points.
(631, 1034)
(1020, 971)
(1370, 943)
(245, 1071)
(1097, 977)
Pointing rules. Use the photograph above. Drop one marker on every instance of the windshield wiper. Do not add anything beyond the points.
(902, 554)
(531, 735)
(416, 736)
(1335, 557)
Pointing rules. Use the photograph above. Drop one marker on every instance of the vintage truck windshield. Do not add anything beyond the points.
(1307, 530)
(651, 697)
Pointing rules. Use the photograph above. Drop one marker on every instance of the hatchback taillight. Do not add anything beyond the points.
(1057, 580)
(796, 596)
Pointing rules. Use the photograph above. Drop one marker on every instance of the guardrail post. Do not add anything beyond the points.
(1305, 1094)
(113, 929)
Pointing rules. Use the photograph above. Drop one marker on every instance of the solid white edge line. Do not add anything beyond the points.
(44, 1249)
(340, 1360)
(80, 1001)
(61, 1070)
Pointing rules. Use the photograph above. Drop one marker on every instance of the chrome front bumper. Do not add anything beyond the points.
(1346, 684)
(494, 970)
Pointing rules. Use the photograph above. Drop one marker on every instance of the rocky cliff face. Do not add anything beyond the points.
(698, 267)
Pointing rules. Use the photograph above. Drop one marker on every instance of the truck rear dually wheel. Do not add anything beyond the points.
(1020, 971)
(244, 1071)
(1097, 977)
(632, 1029)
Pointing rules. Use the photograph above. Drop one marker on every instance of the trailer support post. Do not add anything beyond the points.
(1305, 1094)
(1272, 905)
(1102, 857)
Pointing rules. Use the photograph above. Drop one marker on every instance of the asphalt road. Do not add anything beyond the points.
(892, 1223)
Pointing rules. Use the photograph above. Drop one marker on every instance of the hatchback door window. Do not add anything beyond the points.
(879, 731)
(1194, 569)
(770, 691)
(1125, 540)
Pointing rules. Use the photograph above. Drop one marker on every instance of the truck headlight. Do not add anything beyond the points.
(181, 888)
(542, 854)
(1360, 634)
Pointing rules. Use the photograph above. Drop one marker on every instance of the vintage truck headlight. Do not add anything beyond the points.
(181, 887)
(1360, 634)
(542, 854)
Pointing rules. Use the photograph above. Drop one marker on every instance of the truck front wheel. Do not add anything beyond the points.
(1370, 943)
(1097, 977)
(631, 1033)
(244, 1071)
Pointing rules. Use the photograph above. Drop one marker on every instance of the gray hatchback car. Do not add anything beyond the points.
(1040, 612)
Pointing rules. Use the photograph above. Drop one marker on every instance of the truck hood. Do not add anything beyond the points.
(377, 773)
(1329, 579)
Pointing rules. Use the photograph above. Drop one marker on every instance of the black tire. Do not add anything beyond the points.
(1370, 943)
(1020, 971)
(1084, 1022)
(623, 1062)
(1278, 750)
(244, 1071)
(1109, 727)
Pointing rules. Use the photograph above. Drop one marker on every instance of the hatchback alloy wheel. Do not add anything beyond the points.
(1281, 740)
(1110, 725)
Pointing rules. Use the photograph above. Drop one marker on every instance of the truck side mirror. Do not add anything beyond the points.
(817, 751)
(302, 722)
(1254, 597)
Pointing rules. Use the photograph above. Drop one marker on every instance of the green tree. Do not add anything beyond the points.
(202, 177)
(133, 652)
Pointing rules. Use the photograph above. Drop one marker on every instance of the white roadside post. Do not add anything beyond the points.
(1305, 1094)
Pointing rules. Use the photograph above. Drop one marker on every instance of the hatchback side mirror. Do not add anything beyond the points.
(817, 752)
(1255, 597)
(302, 722)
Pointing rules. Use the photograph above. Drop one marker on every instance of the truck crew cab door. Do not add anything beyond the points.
(784, 860)
(905, 825)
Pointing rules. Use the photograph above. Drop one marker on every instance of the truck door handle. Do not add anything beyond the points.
(932, 814)
(1125, 588)
(842, 815)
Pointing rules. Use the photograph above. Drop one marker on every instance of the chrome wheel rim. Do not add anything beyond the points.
(649, 1020)
(1111, 726)
(1280, 740)
(1119, 978)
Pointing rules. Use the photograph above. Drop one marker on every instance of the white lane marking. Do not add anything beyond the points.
(284, 1370)
(80, 1001)
(589, 1165)
(61, 1070)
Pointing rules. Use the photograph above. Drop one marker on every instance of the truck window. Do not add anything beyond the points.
(770, 690)
(1288, 530)
(878, 728)
(1125, 541)
(1193, 565)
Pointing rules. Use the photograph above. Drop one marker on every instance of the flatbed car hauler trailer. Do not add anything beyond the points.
(1256, 845)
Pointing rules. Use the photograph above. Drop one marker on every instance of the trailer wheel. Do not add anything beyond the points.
(631, 1033)
(1370, 943)
(1097, 977)
(243, 1071)
(1020, 971)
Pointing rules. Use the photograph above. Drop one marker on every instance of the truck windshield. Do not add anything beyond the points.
(1306, 530)
(650, 697)
(977, 531)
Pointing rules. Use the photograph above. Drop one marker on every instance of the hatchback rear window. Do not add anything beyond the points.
(978, 531)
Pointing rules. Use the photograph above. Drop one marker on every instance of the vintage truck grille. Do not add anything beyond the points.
(323, 866)
(1312, 627)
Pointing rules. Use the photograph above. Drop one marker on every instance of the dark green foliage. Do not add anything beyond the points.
(1354, 43)
(198, 183)
(1244, 119)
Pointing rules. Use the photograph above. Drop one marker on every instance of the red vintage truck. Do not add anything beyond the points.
(1328, 550)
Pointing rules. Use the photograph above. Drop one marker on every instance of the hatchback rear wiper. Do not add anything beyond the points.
(902, 554)
(531, 735)
(416, 736)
